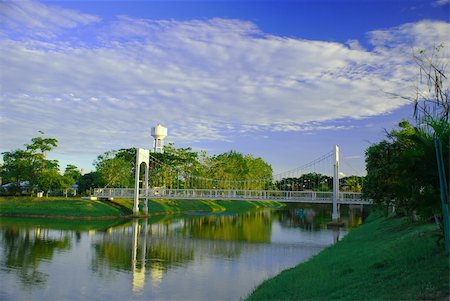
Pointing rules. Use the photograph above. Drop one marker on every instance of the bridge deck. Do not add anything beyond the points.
(233, 194)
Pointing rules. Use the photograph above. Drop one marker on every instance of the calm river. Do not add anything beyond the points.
(179, 257)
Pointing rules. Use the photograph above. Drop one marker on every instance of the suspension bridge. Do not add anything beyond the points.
(314, 182)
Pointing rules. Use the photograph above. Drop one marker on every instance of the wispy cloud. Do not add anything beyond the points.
(34, 19)
(440, 2)
(204, 79)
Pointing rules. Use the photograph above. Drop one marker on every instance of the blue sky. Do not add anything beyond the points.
(282, 80)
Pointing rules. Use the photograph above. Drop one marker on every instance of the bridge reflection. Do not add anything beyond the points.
(144, 251)
(149, 248)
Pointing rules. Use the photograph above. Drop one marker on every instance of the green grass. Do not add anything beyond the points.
(62, 207)
(384, 259)
(80, 208)
(178, 206)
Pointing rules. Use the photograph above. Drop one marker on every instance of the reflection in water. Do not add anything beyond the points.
(138, 272)
(250, 227)
(193, 257)
(25, 249)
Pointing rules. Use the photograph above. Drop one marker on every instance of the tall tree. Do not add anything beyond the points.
(27, 165)
(49, 180)
(72, 171)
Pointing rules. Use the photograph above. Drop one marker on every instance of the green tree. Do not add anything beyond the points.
(17, 166)
(89, 181)
(259, 173)
(65, 183)
(402, 170)
(352, 183)
(228, 170)
(115, 169)
(175, 168)
(308, 181)
(49, 180)
(72, 171)
(27, 165)
(234, 170)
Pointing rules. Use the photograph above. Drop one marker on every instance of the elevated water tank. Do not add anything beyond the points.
(159, 133)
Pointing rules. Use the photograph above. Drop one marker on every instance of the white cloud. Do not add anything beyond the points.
(204, 79)
(31, 18)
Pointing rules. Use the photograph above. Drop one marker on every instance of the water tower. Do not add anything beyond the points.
(159, 133)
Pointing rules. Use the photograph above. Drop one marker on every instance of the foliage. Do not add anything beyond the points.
(72, 171)
(17, 166)
(176, 167)
(234, 170)
(116, 168)
(49, 180)
(185, 168)
(309, 181)
(89, 181)
(352, 183)
(31, 166)
(402, 170)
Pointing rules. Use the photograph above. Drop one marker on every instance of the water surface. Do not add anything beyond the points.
(190, 257)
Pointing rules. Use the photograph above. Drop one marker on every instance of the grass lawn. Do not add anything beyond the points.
(80, 208)
(64, 207)
(177, 206)
(383, 259)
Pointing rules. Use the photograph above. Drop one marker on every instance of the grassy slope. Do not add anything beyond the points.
(177, 206)
(76, 207)
(384, 259)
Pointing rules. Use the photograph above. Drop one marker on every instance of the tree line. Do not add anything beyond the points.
(175, 168)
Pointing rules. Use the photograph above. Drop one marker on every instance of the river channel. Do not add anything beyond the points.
(201, 256)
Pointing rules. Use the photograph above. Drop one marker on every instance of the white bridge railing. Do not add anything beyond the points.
(233, 194)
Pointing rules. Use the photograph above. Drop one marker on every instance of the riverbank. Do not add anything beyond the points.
(383, 259)
(77, 208)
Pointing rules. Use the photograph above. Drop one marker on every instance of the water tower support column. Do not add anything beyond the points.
(335, 216)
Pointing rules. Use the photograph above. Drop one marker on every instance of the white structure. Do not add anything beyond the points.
(159, 133)
(142, 156)
(335, 214)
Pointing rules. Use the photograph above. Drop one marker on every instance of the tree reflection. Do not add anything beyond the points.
(150, 250)
(115, 250)
(25, 248)
(315, 218)
(307, 218)
(249, 227)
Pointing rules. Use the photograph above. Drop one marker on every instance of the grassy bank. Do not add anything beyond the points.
(80, 208)
(178, 206)
(384, 259)
(59, 207)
